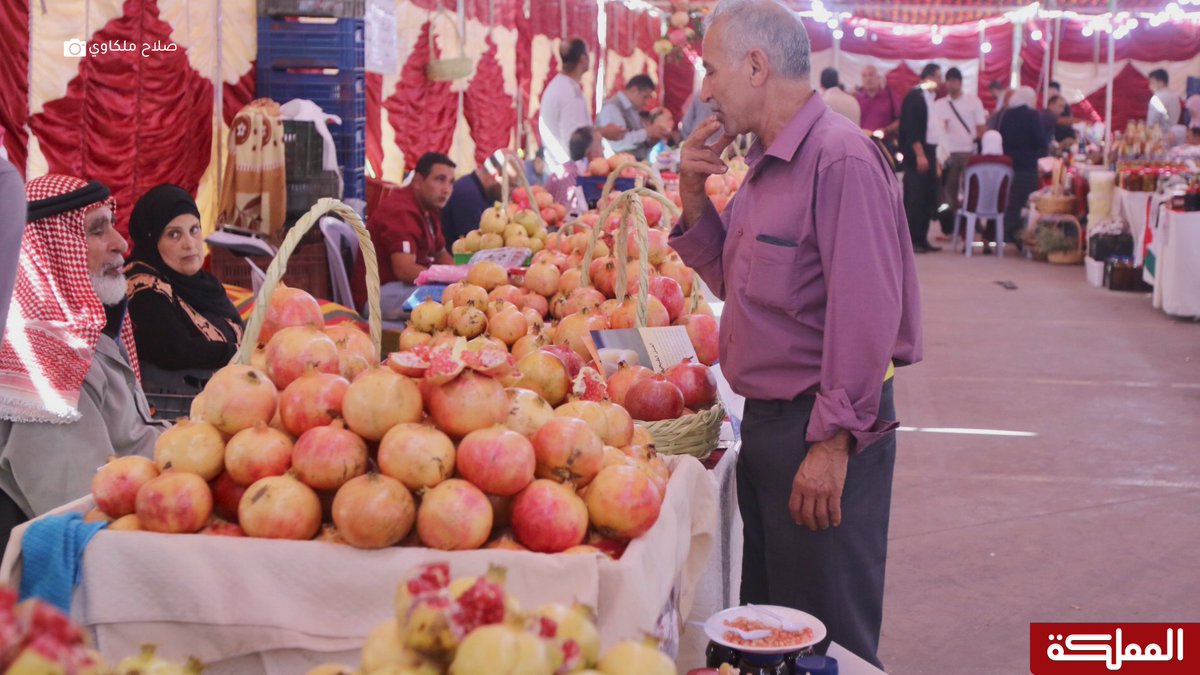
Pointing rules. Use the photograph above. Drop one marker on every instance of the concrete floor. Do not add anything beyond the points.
(1092, 515)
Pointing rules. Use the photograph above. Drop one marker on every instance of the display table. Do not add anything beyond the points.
(1176, 247)
(281, 607)
(1135, 208)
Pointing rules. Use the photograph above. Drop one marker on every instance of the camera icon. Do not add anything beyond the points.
(74, 48)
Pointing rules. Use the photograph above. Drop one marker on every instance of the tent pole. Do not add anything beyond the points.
(1044, 80)
(1057, 45)
(1108, 96)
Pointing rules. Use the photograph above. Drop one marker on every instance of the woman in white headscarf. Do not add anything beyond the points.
(1024, 143)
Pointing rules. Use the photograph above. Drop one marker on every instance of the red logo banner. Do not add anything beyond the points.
(1125, 648)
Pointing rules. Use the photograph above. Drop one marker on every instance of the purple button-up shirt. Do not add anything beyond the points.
(879, 110)
(815, 263)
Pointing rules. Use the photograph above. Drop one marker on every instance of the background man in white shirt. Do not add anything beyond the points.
(838, 100)
(564, 108)
(960, 120)
(1165, 106)
(625, 110)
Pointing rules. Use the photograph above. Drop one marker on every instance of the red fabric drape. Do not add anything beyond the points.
(374, 150)
(678, 80)
(14, 79)
(423, 113)
(1125, 107)
(130, 121)
(488, 109)
(1168, 42)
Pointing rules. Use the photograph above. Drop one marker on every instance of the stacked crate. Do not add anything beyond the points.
(313, 49)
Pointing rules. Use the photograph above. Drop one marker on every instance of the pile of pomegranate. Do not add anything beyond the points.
(450, 445)
(470, 625)
(38, 639)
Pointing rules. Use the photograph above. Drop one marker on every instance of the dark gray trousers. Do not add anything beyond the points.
(836, 574)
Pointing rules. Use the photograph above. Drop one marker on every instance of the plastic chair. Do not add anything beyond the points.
(339, 240)
(985, 196)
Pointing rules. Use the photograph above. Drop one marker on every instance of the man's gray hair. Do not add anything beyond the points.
(769, 26)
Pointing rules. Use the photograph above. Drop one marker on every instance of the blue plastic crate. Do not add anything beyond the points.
(355, 182)
(350, 139)
(342, 92)
(355, 8)
(290, 42)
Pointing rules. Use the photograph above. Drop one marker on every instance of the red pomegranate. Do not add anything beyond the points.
(257, 453)
(681, 273)
(588, 411)
(379, 400)
(295, 350)
(506, 292)
(115, 485)
(669, 293)
(549, 517)
(695, 381)
(175, 502)
(192, 447)
(238, 397)
(625, 377)
(466, 403)
(324, 458)
(280, 507)
(703, 332)
(312, 400)
(373, 511)
(454, 516)
(656, 249)
(409, 364)
(623, 502)
(418, 456)
(570, 359)
(290, 307)
(227, 494)
(350, 339)
(567, 450)
(654, 398)
(497, 460)
(582, 298)
(603, 275)
(536, 303)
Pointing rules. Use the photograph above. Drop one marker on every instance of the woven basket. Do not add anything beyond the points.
(1055, 204)
(1066, 257)
(695, 434)
(278, 268)
(655, 178)
(454, 68)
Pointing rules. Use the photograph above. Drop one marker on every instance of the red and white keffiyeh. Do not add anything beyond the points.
(55, 317)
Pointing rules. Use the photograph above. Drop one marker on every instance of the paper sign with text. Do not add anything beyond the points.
(1126, 648)
(656, 348)
(505, 257)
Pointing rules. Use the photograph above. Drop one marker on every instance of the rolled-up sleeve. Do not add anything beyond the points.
(862, 261)
(700, 245)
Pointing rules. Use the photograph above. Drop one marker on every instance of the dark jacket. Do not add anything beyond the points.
(1024, 137)
(914, 123)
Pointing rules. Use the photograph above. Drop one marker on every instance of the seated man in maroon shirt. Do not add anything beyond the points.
(815, 264)
(406, 229)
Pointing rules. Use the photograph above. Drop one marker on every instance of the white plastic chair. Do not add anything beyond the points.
(339, 236)
(987, 186)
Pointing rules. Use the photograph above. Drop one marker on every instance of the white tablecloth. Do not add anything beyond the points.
(1131, 207)
(1177, 272)
(248, 606)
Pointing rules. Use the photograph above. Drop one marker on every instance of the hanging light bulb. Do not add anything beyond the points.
(986, 48)
(1087, 30)
(1036, 35)
(937, 38)
(860, 32)
(832, 23)
(838, 34)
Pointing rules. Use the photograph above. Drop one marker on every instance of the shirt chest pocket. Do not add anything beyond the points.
(771, 280)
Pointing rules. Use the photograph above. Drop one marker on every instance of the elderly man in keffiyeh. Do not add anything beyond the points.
(69, 391)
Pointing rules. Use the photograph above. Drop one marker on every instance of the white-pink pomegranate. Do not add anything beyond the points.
(379, 400)
(568, 451)
(373, 511)
(280, 507)
(623, 502)
(174, 502)
(116, 484)
(297, 349)
(238, 397)
(497, 460)
(312, 400)
(703, 332)
(256, 453)
(418, 456)
(454, 516)
(289, 307)
(466, 403)
(324, 458)
(192, 447)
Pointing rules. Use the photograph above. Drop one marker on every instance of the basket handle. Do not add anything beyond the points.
(655, 178)
(629, 205)
(433, 17)
(278, 267)
(511, 159)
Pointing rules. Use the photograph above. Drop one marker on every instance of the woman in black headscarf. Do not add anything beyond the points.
(184, 325)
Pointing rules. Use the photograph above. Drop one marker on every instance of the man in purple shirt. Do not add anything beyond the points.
(815, 264)
(880, 109)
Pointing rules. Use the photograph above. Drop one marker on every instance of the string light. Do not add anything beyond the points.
(937, 38)
(1087, 30)
(832, 23)
(837, 34)
(1036, 35)
(860, 32)
(986, 48)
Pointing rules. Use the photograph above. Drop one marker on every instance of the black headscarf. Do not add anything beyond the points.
(149, 218)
